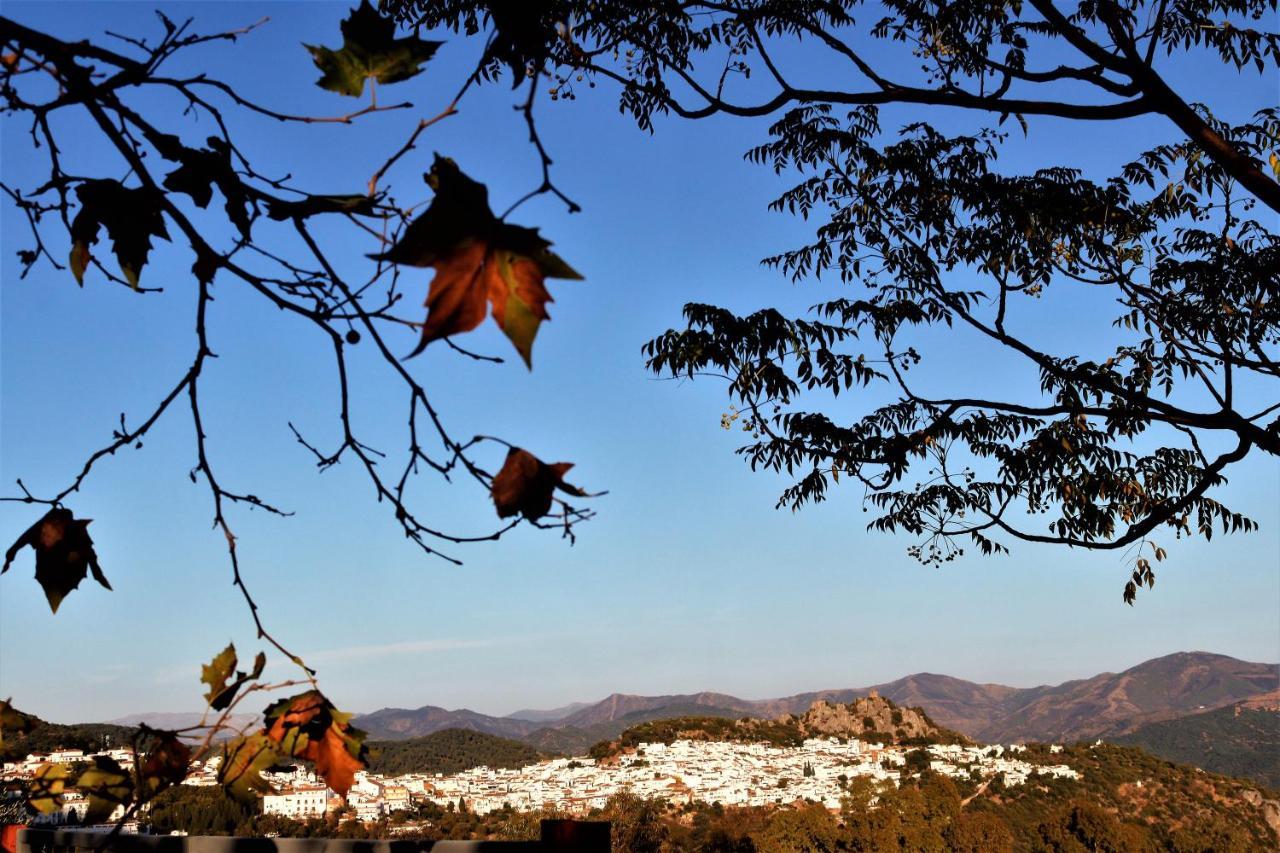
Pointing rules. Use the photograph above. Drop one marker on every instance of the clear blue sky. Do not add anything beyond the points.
(688, 579)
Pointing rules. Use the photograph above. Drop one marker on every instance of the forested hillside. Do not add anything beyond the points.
(449, 751)
(1239, 741)
(47, 737)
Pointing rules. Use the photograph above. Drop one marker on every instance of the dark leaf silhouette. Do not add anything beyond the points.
(307, 726)
(526, 483)
(218, 675)
(481, 263)
(204, 169)
(64, 554)
(370, 49)
(131, 217)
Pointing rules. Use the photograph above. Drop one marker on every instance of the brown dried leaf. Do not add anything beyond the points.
(64, 554)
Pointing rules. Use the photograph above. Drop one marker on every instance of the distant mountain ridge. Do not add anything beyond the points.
(1106, 705)
(547, 715)
(180, 720)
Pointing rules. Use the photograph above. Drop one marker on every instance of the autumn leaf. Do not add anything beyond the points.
(165, 764)
(201, 171)
(218, 675)
(481, 263)
(44, 793)
(64, 554)
(13, 721)
(370, 49)
(243, 762)
(131, 217)
(526, 483)
(307, 726)
(106, 785)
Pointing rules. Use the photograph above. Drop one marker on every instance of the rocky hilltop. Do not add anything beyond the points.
(870, 718)
(861, 717)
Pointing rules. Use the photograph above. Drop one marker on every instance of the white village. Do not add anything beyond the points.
(725, 772)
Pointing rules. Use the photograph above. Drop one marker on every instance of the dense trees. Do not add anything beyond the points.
(449, 751)
(1106, 445)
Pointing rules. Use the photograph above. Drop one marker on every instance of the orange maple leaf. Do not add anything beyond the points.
(481, 263)
(476, 275)
(307, 726)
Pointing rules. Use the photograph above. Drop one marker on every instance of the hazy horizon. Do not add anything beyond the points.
(589, 702)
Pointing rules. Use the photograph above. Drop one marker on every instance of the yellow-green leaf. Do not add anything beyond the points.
(44, 794)
(107, 786)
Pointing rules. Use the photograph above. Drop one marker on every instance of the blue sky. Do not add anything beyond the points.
(688, 579)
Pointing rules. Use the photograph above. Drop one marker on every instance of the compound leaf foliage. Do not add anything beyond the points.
(481, 263)
(64, 554)
(369, 49)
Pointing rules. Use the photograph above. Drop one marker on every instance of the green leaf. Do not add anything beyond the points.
(243, 762)
(218, 675)
(216, 672)
(64, 554)
(106, 785)
(369, 50)
(131, 217)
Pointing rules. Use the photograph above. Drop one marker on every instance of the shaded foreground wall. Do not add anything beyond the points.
(558, 836)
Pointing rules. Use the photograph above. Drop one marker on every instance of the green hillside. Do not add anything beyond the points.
(47, 737)
(1234, 741)
(449, 751)
(1127, 799)
(572, 740)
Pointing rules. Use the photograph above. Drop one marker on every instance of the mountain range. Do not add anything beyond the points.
(1157, 703)
(1106, 705)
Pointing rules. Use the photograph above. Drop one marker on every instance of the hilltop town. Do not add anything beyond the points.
(811, 759)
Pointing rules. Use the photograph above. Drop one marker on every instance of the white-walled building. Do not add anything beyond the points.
(299, 803)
